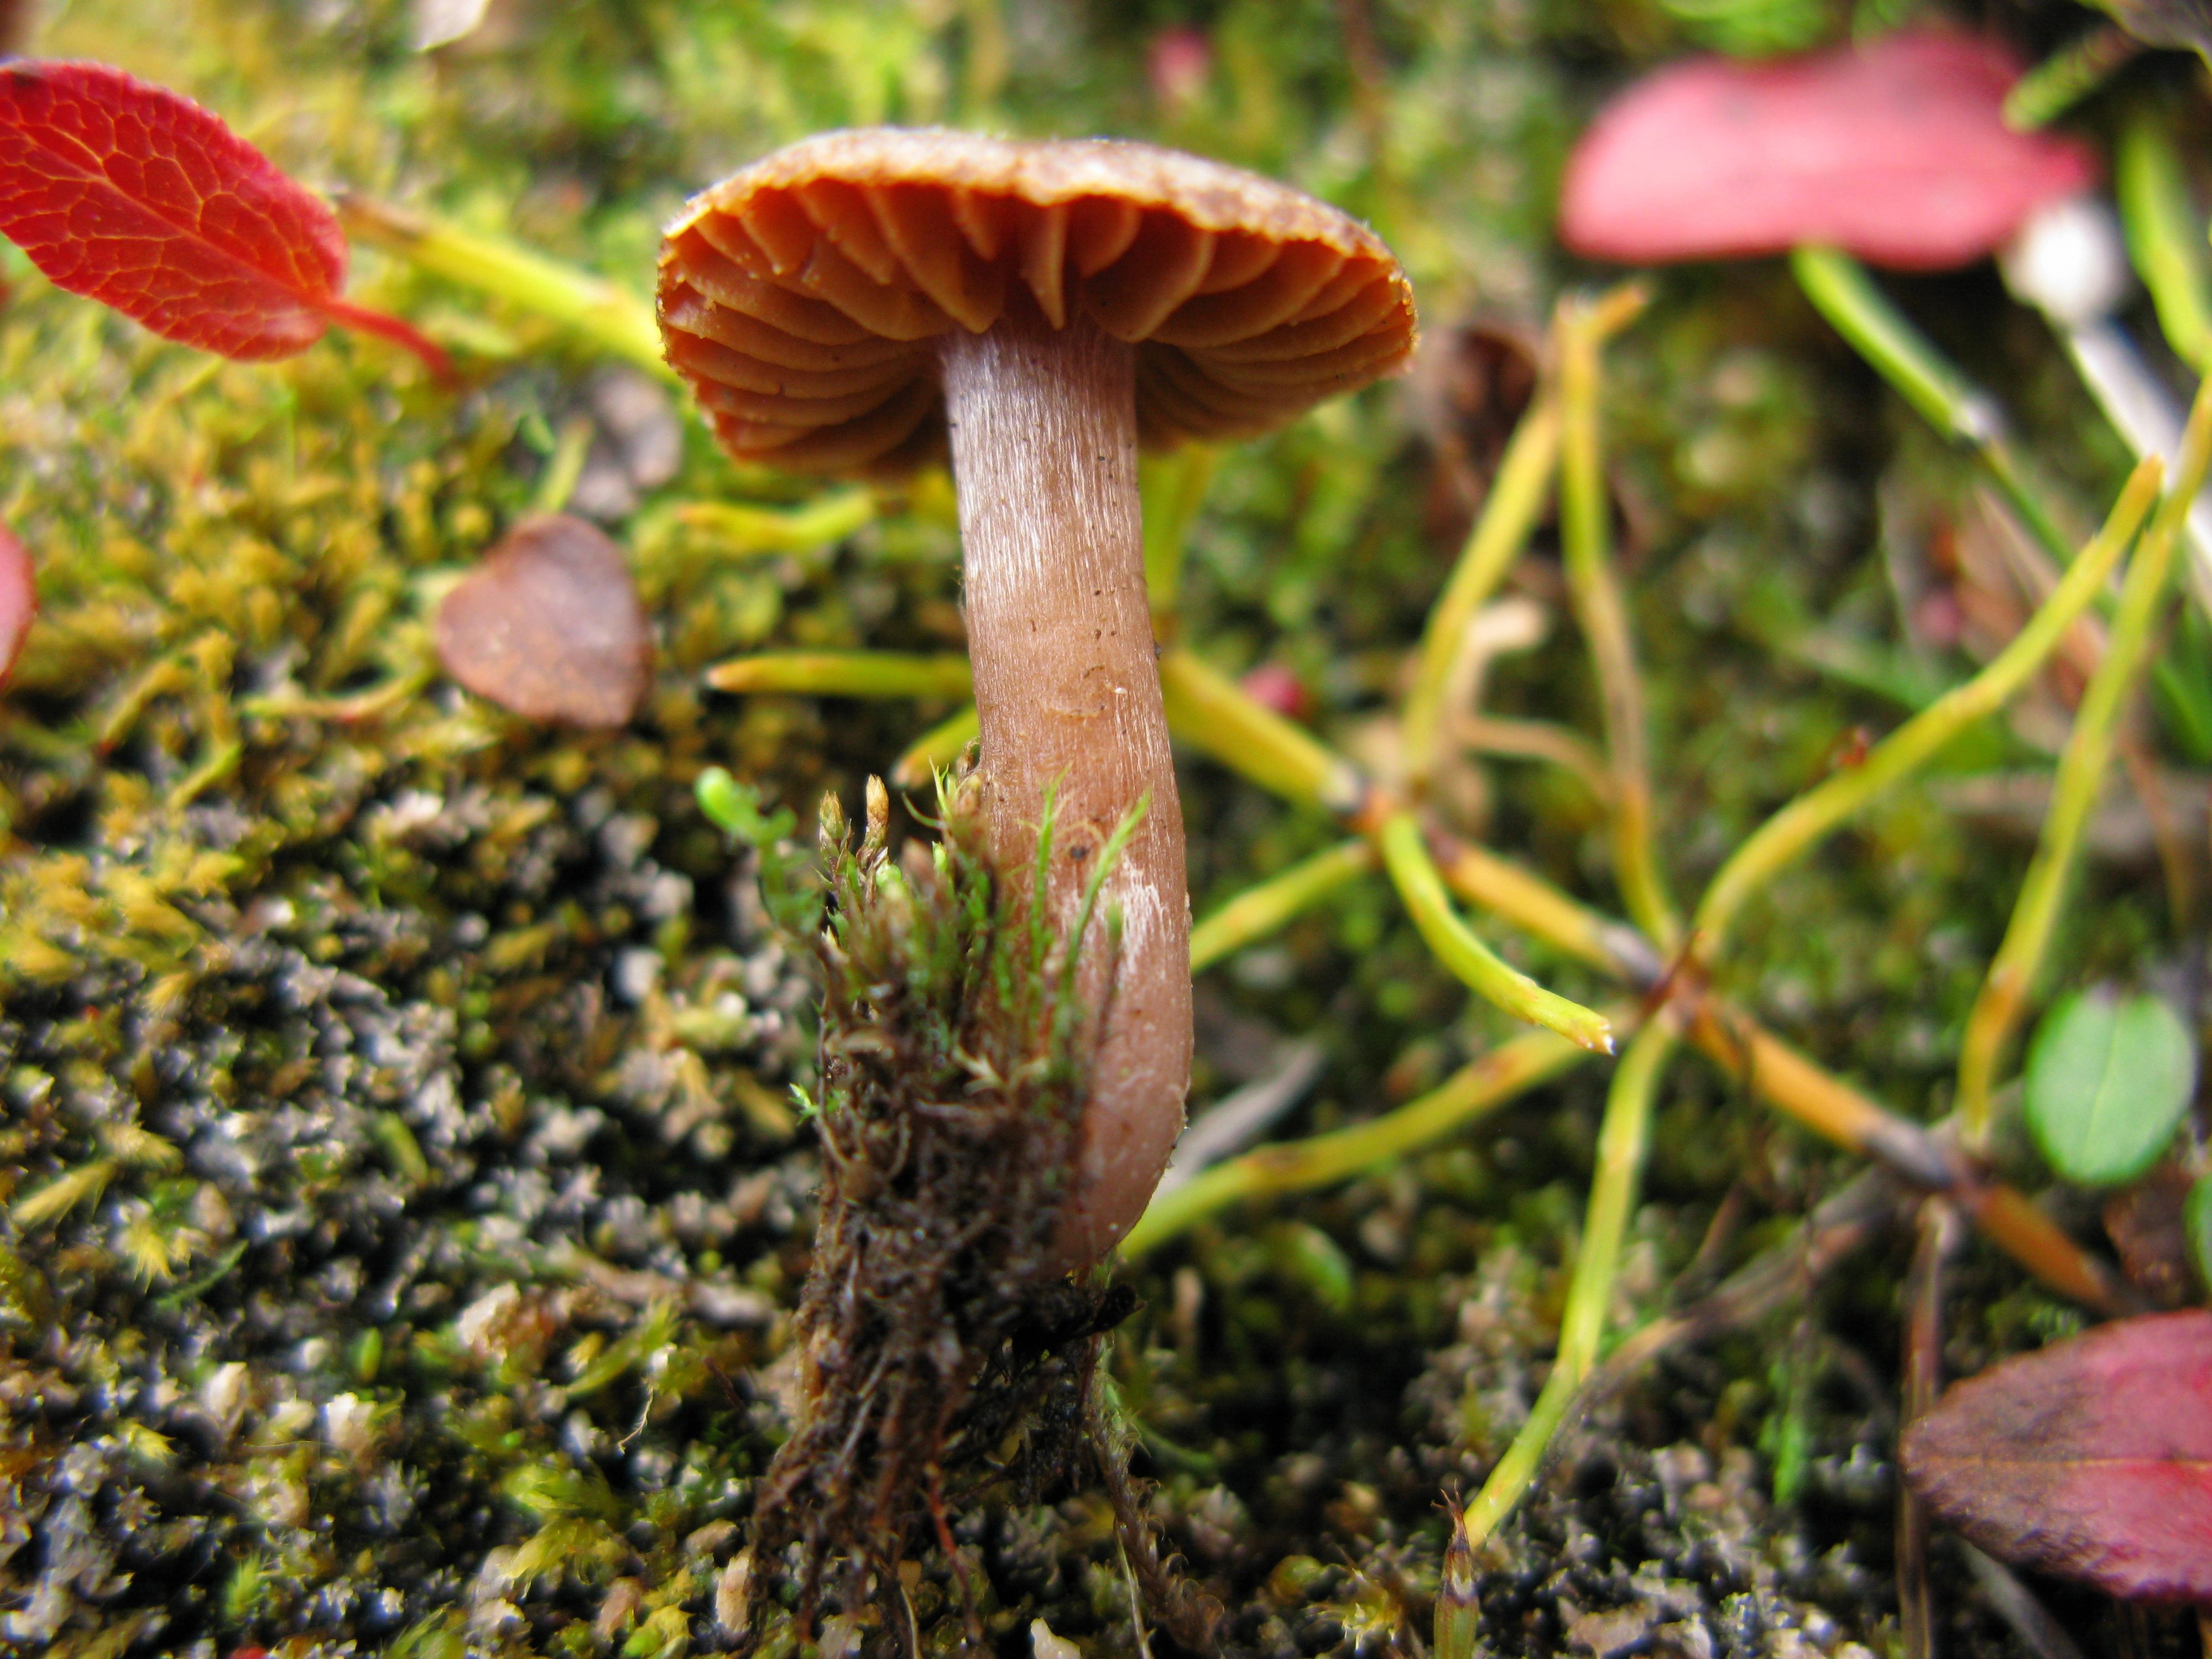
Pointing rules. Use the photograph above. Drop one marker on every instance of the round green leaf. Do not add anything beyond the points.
(2196, 1224)
(2107, 1080)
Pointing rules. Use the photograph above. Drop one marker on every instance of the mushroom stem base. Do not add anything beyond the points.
(932, 1324)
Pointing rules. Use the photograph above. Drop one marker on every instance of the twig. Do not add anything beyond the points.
(1924, 1380)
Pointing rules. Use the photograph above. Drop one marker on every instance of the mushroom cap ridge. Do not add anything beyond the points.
(801, 297)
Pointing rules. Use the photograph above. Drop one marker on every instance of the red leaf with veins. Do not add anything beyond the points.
(1897, 152)
(17, 601)
(2091, 1457)
(137, 198)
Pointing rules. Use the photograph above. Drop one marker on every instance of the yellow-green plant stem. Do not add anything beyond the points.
(1788, 1081)
(2080, 775)
(1273, 904)
(1535, 906)
(738, 529)
(609, 316)
(845, 674)
(2166, 236)
(2070, 74)
(1477, 1088)
(936, 749)
(1820, 809)
(1620, 1143)
(1510, 515)
(1841, 291)
(1421, 885)
(1585, 537)
(571, 448)
(1212, 710)
(1174, 486)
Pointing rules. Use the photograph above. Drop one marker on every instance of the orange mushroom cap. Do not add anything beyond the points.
(800, 297)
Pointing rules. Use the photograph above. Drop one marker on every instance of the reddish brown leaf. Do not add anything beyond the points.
(18, 601)
(1897, 152)
(549, 627)
(2091, 1458)
(137, 198)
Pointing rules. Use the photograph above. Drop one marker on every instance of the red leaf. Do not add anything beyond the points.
(548, 626)
(1897, 152)
(18, 601)
(2091, 1458)
(137, 198)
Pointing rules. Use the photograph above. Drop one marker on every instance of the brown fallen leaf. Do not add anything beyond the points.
(549, 627)
(2091, 1458)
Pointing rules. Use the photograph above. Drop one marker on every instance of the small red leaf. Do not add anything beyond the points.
(18, 601)
(136, 197)
(1897, 152)
(549, 627)
(2091, 1458)
(141, 199)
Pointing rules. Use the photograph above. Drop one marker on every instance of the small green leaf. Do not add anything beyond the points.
(2107, 1080)
(2196, 1226)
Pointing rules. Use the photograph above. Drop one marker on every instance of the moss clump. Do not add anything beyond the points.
(940, 1352)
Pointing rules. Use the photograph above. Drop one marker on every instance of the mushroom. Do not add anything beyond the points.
(853, 301)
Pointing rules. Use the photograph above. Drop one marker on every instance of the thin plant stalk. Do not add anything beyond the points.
(2080, 775)
(1535, 906)
(1841, 291)
(1420, 883)
(936, 749)
(1207, 708)
(1174, 486)
(1788, 1081)
(2165, 237)
(1783, 837)
(1273, 904)
(741, 528)
(1510, 512)
(564, 466)
(1472, 1093)
(1586, 538)
(1621, 1139)
(1940, 1236)
(610, 316)
(2070, 74)
(846, 673)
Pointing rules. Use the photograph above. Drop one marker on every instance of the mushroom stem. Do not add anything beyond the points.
(1067, 691)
